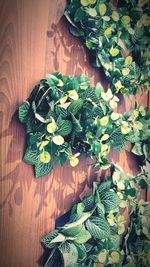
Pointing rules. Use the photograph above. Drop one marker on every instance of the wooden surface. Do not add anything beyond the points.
(34, 40)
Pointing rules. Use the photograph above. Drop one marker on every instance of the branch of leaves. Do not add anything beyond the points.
(92, 234)
(62, 122)
(51, 116)
(117, 130)
(137, 240)
(118, 39)
(141, 148)
(128, 187)
(88, 233)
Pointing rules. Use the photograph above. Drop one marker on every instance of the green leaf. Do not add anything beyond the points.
(98, 89)
(137, 149)
(75, 106)
(131, 192)
(98, 227)
(23, 111)
(42, 169)
(58, 239)
(104, 187)
(118, 140)
(79, 15)
(79, 221)
(31, 156)
(115, 239)
(89, 202)
(31, 126)
(46, 240)
(77, 128)
(52, 80)
(143, 184)
(83, 237)
(92, 97)
(40, 118)
(73, 231)
(64, 128)
(80, 208)
(110, 200)
(63, 157)
(97, 111)
(76, 32)
(83, 81)
(81, 251)
(61, 111)
(54, 259)
(69, 254)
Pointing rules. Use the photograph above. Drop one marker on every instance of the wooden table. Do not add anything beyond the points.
(34, 40)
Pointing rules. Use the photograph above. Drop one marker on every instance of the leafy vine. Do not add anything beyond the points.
(62, 122)
(118, 37)
(96, 232)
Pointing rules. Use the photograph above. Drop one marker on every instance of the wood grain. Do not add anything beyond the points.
(34, 40)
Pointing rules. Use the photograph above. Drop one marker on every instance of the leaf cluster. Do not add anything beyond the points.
(64, 116)
(93, 231)
(137, 240)
(118, 38)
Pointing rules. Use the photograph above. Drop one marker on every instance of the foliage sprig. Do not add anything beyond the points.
(118, 37)
(94, 230)
(64, 116)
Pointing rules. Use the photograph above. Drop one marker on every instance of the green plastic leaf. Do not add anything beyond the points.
(61, 111)
(54, 259)
(31, 156)
(42, 169)
(131, 192)
(64, 128)
(79, 221)
(83, 237)
(118, 140)
(98, 89)
(46, 240)
(137, 149)
(81, 251)
(23, 111)
(69, 253)
(104, 187)
(73, 231)
(77, 128)
(75, 106)
(89, 202)
(79, 15)
(98, 227)
(110, 200)
(143, 184)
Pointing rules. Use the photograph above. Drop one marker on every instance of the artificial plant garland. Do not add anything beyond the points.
(64, 116)
(95, 227)
(117, 34)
